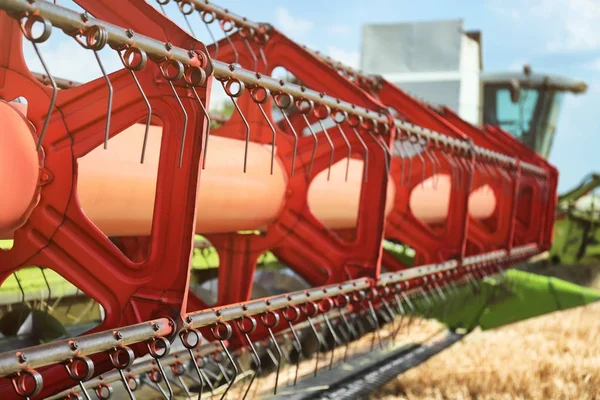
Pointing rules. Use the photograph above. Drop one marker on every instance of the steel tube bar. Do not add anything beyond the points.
(139, 367)
(224, 14)
(71, 21)
(250, 78)
(232, 312)
(56, 352)
(417, 272)
(59, 351)
(223, 70)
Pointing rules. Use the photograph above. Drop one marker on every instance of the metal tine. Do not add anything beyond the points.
(376, 322)
(185, 12)
(410, 305)
(20, 383)
(185, 337)
(401, 311)
(419, 141)
(162, 3)
(73, 367)
(158, 348)
(403, 156)
(100, 390)
(466, 168)
(227, 26)
(291, 319)
(309, 314)
(261, 37)
(327, 306)
(203, 374)
(260, 96)
(358, 298)
(339, 116)
(388, 308)
(208, 17)
(430, 304)
(230, 85)
(342, 302)
(155, 377)
(283, 101)
(386, 151)
(135, 59)
(178, 369)
(207, 116)
(455, 181)
(27, 29)
(247, 330)
(410, 159)
(247, 33)
(173, 70)
(433, 164)
(436, 147)
(96, 37)
(122, 358)
(322, 112)
(305, 107)
(269, 324)
(355, 121)
(222, 331)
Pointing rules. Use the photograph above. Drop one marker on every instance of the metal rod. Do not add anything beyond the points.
(231, 312)
(60, 351)
(224, 14)
(69, 20)
(140, 367)
(416, 272)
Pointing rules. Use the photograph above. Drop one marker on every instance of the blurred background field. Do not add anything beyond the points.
(555, 356)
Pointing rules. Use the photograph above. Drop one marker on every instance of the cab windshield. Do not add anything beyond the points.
(532, 119)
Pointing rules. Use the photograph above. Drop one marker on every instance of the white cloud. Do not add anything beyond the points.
(340, 29)
(569, 25)
(349, 58)
(291, 25)
(67, 59)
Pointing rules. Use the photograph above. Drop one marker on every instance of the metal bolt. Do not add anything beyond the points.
(156, 326)
(73, 344)
(118, 335)
(21, 357)
(129, 33)
(85, 17)
(168, 46)
(191, 53)
(188, 319)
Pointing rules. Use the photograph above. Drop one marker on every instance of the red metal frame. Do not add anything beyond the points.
(297, 238)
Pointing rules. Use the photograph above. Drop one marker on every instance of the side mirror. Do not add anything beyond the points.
(515, 91)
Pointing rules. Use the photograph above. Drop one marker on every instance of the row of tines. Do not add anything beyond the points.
(191, 68)
(343, 313)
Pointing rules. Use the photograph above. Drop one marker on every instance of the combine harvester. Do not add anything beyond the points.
(107, 183)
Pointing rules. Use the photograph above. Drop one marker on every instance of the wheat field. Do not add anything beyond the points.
(556, 356)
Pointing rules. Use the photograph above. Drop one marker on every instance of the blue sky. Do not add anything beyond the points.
(554, 36)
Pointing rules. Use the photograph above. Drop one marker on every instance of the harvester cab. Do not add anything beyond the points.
(449, 72)
(526, 105)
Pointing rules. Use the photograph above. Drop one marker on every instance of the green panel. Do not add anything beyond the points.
(521, 295)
